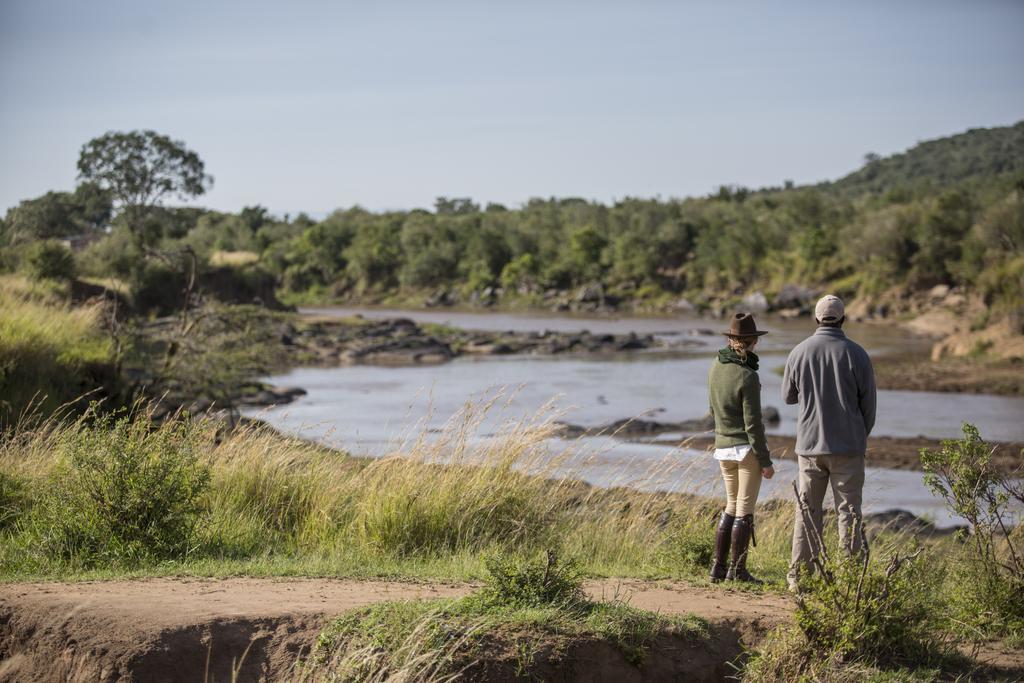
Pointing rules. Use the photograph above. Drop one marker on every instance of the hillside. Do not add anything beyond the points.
(934, 164)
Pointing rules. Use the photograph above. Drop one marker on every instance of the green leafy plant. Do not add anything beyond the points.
(126, 491)
(49, 260)
(859, 612)
(990, 575)
(532, 582)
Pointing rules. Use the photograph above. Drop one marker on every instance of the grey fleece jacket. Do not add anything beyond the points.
(832, 380)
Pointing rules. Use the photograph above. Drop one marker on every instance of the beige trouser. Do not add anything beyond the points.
(846, 475)
(742, 482)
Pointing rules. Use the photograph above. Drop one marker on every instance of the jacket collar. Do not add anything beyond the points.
(831, 332)
(727, 355)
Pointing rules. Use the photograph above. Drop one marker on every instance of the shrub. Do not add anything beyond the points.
(860, 614)
(989, 579)
(126, 492)
(857, 612)
(875, 612)
(537, 582)
(49, 260)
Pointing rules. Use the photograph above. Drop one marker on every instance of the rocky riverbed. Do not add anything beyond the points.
(330, 342)
(400, 341)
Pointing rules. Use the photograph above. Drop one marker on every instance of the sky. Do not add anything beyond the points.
(312, 106)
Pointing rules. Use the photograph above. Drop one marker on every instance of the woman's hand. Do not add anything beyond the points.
(767, 472)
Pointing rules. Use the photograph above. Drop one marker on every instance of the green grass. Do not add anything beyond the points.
(279, 506)
(50, 353)
(526, 607)
(276, 506)
(389, 626)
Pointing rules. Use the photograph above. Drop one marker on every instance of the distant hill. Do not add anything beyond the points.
(933, 164)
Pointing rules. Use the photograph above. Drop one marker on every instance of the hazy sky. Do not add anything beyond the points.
(317, 105)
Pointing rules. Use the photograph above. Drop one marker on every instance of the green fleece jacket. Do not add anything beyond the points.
(735, 395)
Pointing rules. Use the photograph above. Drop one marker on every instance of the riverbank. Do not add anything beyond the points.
(249, 502)
(884, 451)
(950, 375)
(897, 453)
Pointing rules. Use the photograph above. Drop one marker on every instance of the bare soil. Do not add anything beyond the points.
(248, 629)
(194, 630)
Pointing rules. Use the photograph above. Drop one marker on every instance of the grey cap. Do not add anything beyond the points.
(829, 309)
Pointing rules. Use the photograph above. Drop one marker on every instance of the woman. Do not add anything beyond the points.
(740, 446)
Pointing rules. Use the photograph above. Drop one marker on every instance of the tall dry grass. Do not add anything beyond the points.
(438, 504)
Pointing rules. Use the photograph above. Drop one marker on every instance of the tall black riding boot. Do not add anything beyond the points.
(742, 532)
(723, 536)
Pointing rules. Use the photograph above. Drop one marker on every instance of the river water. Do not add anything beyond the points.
(370, 410)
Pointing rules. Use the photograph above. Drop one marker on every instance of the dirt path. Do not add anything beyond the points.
(163, 629)
(200, 629)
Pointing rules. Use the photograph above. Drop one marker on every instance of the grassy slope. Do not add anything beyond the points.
(444, 636)
(280, 506)
(50, 352)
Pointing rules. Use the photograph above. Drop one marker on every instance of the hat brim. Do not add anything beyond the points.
(755, 333)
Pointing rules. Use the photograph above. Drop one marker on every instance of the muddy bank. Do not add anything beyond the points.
(327, 342)
(193, 630)
(883, 451)
(401, 341)
(956, 375)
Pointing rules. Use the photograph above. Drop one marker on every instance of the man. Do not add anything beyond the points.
(831, 379)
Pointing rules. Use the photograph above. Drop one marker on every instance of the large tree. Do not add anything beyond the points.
(140, 169)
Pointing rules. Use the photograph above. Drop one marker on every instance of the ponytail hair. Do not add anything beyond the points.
(742, 345)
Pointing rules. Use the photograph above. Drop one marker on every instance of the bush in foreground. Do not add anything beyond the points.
(857, 616)
(865, 615)
(124, 492)
(987, 581)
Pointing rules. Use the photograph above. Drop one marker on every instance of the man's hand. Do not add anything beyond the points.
(767, 472)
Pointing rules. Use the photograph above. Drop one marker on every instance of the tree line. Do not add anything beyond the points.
(910, 221)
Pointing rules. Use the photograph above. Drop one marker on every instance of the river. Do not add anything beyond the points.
(370, 410)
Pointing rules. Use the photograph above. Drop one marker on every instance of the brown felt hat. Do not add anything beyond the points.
(743, 325)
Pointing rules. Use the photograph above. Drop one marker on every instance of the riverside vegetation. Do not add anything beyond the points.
(111, 495)
(120, 488)
(938, 229)
(948, 212)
